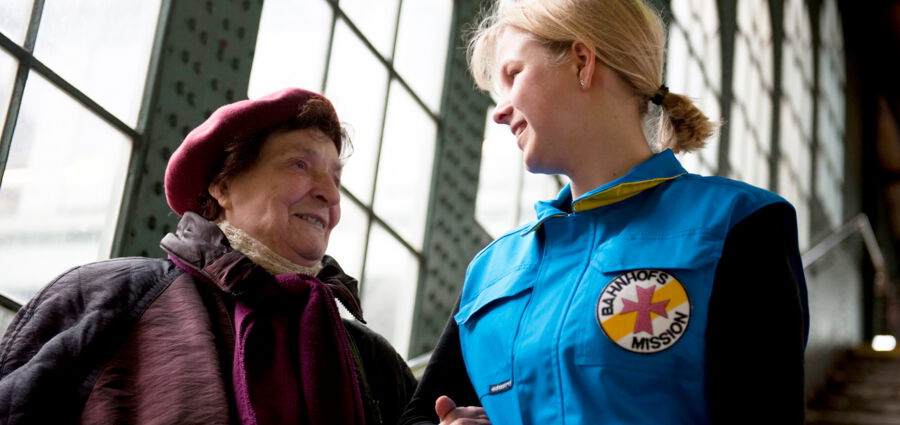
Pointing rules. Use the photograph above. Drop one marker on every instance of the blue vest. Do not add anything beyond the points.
(598, 316)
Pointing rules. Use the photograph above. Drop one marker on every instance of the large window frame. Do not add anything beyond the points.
(28, 65)
(396, 325)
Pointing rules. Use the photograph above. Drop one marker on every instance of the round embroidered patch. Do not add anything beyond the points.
(644, 311)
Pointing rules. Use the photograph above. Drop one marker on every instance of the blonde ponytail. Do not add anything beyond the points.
(682, 126)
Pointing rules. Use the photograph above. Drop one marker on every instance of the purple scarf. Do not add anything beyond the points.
(292, 359)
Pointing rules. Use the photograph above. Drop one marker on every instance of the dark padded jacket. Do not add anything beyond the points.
(139, 341)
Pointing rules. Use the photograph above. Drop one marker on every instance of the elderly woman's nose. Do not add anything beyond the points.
(502, 112)
(326, 190)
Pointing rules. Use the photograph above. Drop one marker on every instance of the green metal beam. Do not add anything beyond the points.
(452, 235)
(201, 60)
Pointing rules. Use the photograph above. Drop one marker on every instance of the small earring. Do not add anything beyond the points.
(581, 83)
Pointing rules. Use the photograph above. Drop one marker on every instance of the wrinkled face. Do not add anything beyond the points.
(532, 101)
(289, 198)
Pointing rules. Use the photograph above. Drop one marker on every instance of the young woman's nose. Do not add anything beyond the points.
(502, 112)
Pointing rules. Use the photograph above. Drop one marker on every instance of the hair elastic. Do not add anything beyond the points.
(660, 95)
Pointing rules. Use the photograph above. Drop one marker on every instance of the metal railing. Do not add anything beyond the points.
(10, 303)
(885, 295)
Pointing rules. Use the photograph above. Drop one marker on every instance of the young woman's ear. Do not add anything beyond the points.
(219, 191)
(585, 63)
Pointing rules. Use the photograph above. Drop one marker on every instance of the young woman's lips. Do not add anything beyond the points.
(517, 128)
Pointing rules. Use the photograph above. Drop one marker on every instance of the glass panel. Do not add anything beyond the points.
(102, 47)
(61, 189)
(537, 187)
(8, 66)
(506, 191)
(348, 239)
(404, 171)
(830, 157)
(796, 132)
(291, 46)
(499, 179)
(389, 289)
(693, 70)
(357, 83)
(751, 113)
(422, 47)
(375, 19)
(14, 17)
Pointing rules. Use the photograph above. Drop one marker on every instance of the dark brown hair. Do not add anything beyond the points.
(242, 152)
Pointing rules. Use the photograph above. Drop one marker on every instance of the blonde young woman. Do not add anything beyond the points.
(642, 294)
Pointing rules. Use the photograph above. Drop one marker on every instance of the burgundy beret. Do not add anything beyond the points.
(202, 153)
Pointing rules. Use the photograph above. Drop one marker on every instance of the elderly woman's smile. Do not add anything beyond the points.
(289, 199)
(312, 219)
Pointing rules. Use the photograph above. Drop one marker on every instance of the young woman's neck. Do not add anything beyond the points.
(610, 153)
(608, 136)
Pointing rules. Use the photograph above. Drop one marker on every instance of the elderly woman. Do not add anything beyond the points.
(238, 325)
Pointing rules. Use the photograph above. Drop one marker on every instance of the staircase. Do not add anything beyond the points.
(863, 389)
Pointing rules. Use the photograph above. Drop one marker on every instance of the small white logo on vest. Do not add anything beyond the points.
(644, 311)
(501, 387)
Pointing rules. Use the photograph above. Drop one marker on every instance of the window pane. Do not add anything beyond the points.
(537, 187)
(751, 111)
(404, 171)
(349, 237)
(8, 66)
(796, 131)
(389, 289)
(422, 47)
(102, 47)
(61, 189)
(356, 85)
(830, 158)
(14, 17)
(506, 190)
(499, 179)
(291, 46)
(693, 70)
(375, 19)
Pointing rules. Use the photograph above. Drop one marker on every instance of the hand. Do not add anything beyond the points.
(449, 414)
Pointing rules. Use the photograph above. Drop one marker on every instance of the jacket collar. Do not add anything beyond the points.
(201, 248)
(656, 170)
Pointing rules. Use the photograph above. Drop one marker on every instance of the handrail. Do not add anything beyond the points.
(883, 292)
(417, 364)
(860, 224)
(10, 302)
